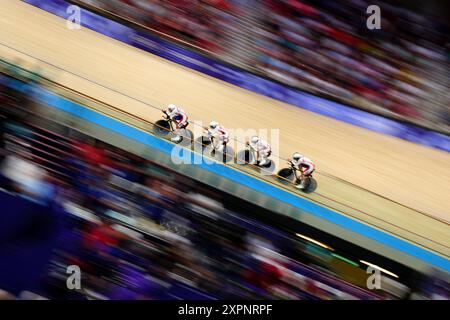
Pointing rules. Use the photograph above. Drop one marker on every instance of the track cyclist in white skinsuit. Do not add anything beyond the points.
(218, 135)
(179, 116)
(262, 149)
(304, 165)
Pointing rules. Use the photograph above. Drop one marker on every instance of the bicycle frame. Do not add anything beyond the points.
(168, 119)
(253, 152)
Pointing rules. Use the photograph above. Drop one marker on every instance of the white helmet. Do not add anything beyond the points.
(171, 107)
(255, 139)
(297, 156)
(213, 125)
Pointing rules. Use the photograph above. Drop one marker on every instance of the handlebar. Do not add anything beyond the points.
(166, 117)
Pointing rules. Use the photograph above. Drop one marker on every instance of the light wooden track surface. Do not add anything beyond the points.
(408, 173)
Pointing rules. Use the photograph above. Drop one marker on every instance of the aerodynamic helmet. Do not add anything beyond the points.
(171, 107)
(255, 139)
(296, 156)
(213, 125)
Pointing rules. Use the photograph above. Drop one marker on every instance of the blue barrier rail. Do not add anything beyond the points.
(49, 98)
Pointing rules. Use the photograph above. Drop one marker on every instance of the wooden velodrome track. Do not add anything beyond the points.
(412, 175)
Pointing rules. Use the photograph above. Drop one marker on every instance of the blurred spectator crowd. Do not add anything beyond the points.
(136, 229)
(320, 46)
